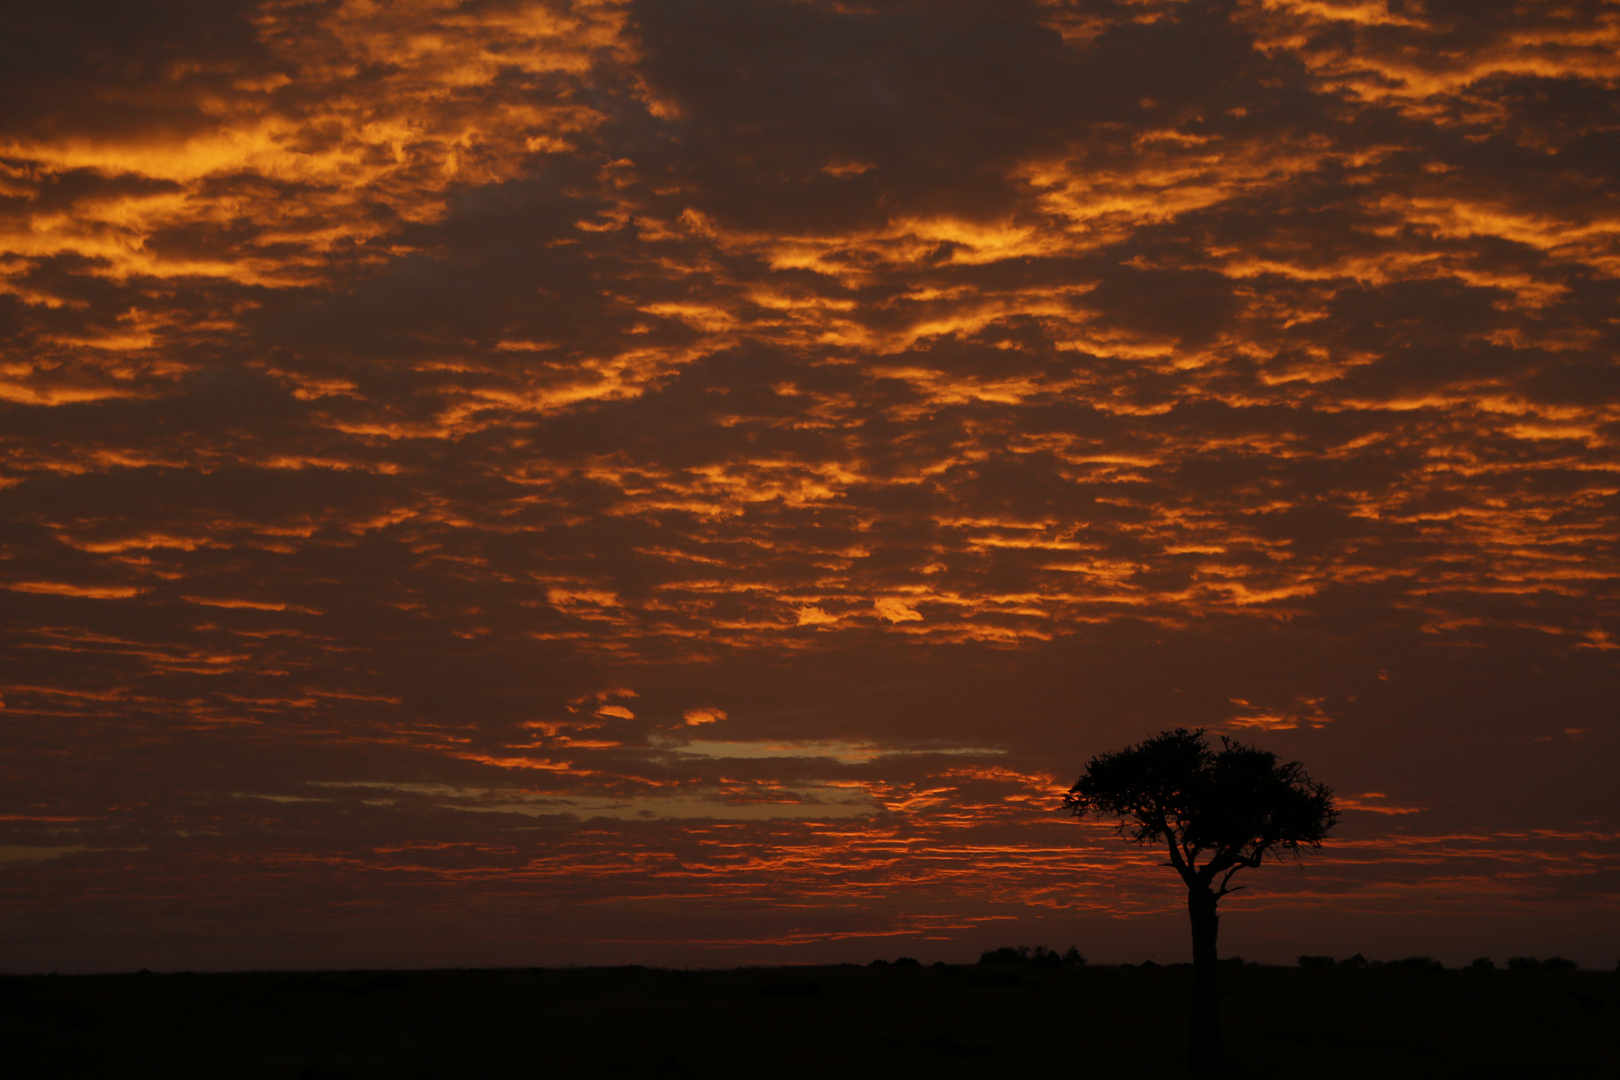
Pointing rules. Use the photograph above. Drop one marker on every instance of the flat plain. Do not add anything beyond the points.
(849, 1021)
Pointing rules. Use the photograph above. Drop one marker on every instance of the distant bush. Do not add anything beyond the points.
(1420, 963)
(1233, 961)
(1147, 963)
(906, 961)
(1316, 961)
(1043, 957)
(1039, 956)
(1356, 961)
(878, 963)
(1558, 963)
(1484, 963)
(1523, 963)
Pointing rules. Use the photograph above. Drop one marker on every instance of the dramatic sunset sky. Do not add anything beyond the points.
(693, 481)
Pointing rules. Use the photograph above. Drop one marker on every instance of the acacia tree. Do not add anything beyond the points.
(1230, 808)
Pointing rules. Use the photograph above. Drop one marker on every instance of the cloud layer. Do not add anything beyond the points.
(667, 477)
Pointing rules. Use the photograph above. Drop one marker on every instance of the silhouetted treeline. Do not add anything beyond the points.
(1429, 963)
(1036, 956)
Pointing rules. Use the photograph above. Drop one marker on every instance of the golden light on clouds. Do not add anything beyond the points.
(736, 461)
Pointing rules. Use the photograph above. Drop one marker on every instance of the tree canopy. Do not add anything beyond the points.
(1231, 807)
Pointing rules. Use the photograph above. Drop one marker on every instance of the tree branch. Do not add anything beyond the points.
(1224, 890)
(1177, 856)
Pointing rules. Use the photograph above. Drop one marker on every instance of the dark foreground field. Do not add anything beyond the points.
(891, 1022)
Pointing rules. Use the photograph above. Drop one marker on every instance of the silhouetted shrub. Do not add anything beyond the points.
(1419, 963)
(1039, 956)
(906, 961)
(878, 963)
(1523, 963)
(1042, 957)
(1484, 963)
(1558, 963)
(1356, 961)
(1233, 961)
(1316, 961)
(1148, 964)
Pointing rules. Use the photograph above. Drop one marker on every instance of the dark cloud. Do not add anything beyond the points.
(93, 68)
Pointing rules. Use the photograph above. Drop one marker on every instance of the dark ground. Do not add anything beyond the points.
(826, 1023)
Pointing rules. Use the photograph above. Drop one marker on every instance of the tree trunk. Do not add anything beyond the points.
(1204, 1034)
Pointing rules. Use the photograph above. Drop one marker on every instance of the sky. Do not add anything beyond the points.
(694, 481)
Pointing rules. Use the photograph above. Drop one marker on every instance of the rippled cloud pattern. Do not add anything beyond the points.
(503, 482)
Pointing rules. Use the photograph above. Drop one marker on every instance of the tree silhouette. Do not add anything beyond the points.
(1229, 807)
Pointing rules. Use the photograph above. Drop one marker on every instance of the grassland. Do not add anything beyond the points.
(895, 1022)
